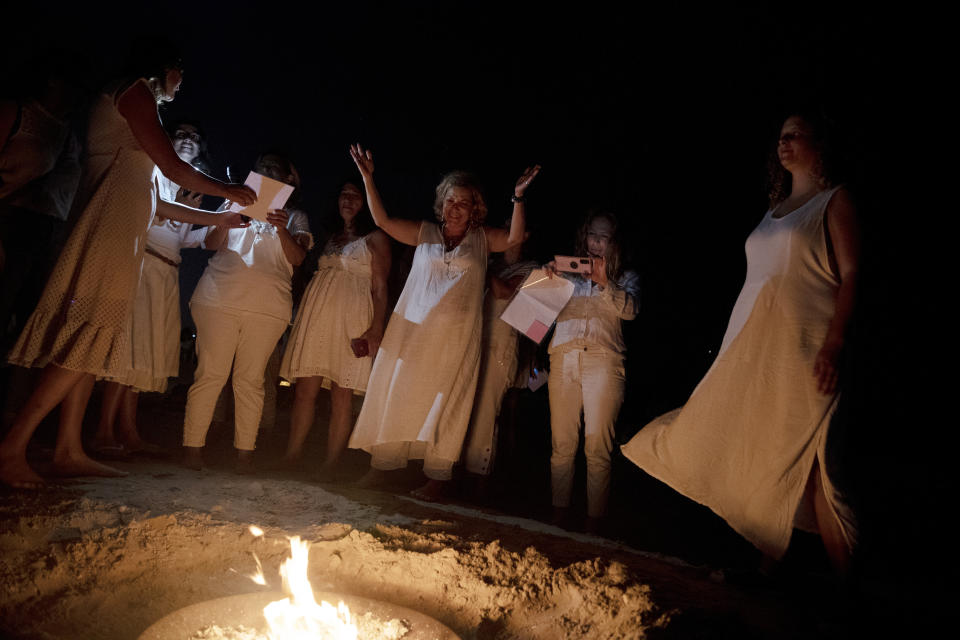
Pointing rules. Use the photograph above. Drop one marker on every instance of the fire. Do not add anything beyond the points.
(299, 616)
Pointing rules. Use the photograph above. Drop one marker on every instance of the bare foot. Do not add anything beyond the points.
(79, 464)
(107, 448)
(244, 462)
(193, 458)
(372, 479)
(433, 491)
(16, 473)
(326, 474)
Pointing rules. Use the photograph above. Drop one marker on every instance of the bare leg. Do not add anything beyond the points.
(106, 436)
(244, 462)
(193, 458)
(341, 425)
(128, 421)
(69, 459)
(830, 531)
(53, 385)
(301, 416)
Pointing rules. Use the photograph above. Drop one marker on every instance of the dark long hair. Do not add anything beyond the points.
(614, 250)
(363, 223)
(823, 137)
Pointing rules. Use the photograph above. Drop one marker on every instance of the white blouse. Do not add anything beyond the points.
(250, 272)
(593, 317)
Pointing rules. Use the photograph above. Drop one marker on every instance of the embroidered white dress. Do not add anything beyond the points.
(424, 377)
(745, 442)
(336, 308)
(82, 321)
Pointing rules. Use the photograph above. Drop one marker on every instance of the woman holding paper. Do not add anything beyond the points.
(339, 326)
(155, 327)
(586, 366)
(422, 385)
(80, 328)
(241, 307)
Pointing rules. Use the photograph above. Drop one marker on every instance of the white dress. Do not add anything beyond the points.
(155, 330)
(745, 442)
(336, 308)
(424, 377)
(82, 321)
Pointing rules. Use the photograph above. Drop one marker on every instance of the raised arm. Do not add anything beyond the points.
(844, 236)
(501, 239)
(405, 231)
(138, 106)
(379, 245)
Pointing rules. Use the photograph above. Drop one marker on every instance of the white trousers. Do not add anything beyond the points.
(590, 380)
(480, 448)
(229, 339)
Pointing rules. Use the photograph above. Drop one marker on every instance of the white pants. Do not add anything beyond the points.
(588, 379)
(228, 338)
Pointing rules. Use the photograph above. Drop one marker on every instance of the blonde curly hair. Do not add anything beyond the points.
(465, 180)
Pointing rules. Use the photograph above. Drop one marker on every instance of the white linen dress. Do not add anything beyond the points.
(336, 308)
(745, 442)
(424, 377)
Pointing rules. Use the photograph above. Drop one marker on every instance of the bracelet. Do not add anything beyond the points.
(517, 199)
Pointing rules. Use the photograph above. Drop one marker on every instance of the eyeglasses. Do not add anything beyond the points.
(180, 134)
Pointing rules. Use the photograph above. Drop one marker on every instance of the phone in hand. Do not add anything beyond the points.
(573, 264)
(360, 346)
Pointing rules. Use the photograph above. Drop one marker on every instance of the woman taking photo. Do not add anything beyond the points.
(339, 327)
(241, 306)
(421, 388)
(586, 366)
(156, 311)
(81, 327)
(751, 442)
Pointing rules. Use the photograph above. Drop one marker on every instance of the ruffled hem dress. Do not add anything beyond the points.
(336, 308)
(82, 321)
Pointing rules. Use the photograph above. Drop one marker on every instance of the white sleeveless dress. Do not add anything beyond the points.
(425, 375)
(745, 442)
(82, 321)
(336, 308)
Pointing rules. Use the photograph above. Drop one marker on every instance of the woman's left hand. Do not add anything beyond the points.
(826, 367)
(232, 220)
(524, 181)
(598, 271)
(278, 218)
(373, 336)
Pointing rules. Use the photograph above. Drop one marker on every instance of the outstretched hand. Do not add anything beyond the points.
(233, 220)
(524, 180)
(363, 160)
(239, 193)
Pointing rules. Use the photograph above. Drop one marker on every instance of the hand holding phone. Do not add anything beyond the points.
(573, 264)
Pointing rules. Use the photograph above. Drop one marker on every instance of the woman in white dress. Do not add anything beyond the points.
(751, 441)
(241, 306)
(80, 328)
(424, 377)
(156, 311)
(338, 328)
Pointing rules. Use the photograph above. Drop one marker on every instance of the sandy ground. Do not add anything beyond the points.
(106, 558)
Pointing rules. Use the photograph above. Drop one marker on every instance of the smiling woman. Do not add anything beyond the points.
(422, 385)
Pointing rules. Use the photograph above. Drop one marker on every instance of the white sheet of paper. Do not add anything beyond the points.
(271, 194)
(537, 304)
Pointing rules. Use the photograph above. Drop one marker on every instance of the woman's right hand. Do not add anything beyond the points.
(188, 198)
(363, 160)
(232, 220)
(239, 193)
(551, 268)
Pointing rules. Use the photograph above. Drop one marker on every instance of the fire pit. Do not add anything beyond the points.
(295, 613)
(247, 611)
